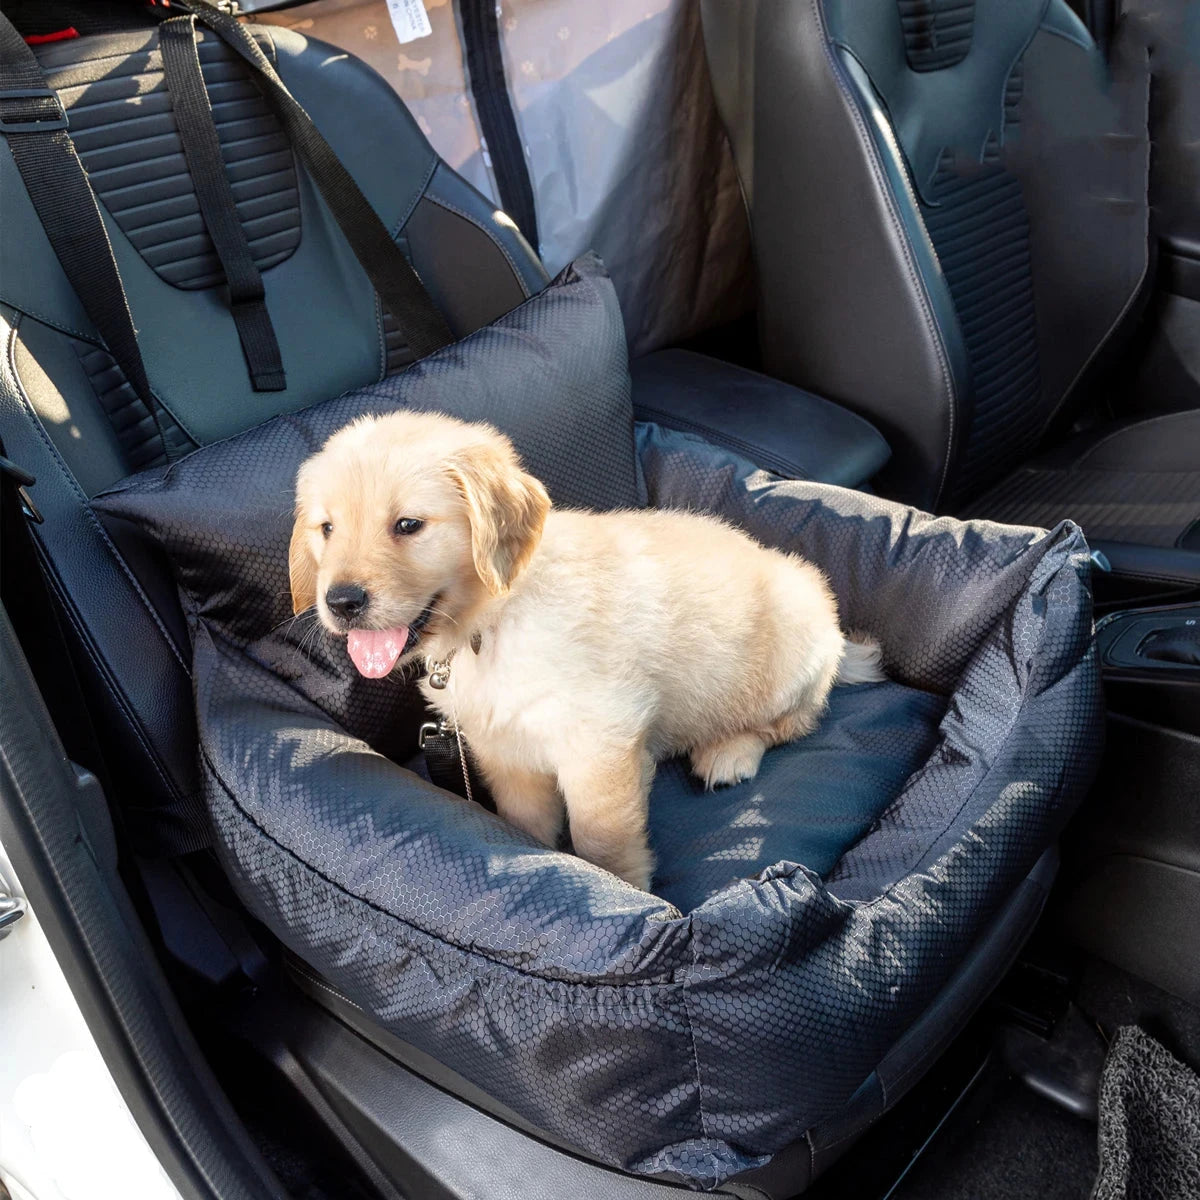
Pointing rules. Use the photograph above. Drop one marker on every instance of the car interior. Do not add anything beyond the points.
(967, 245)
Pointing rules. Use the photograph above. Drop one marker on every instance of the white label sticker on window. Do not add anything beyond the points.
(409, 19)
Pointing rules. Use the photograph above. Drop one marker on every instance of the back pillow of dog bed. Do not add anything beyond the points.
(552, 374)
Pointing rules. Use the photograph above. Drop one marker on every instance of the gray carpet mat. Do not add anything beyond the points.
(1149, 1123)
(1007, 1143)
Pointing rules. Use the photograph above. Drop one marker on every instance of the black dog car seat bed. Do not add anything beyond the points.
(802, 922)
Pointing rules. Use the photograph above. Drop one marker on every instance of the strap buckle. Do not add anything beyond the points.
(54, 119)
(21, 479)
(434, 729)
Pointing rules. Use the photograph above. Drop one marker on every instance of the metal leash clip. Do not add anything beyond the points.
(433, 729)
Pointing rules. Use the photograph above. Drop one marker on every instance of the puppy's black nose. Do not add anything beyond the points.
(347, 600)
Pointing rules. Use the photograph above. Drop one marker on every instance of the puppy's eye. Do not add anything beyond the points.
(408, 525)
(327, 529)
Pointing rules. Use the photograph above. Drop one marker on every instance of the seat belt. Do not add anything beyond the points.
(480, 26)
(34, 123)
(218, 209)
(418, 318)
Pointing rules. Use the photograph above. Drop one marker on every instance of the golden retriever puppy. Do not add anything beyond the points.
(573, 649)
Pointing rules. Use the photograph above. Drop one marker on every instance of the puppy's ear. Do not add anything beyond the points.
(302, 567)
(506, 507)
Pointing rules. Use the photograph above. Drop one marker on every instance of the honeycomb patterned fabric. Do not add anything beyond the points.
(688, 1043)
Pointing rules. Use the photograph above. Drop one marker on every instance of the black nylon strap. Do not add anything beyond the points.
(218, 209)
(485, 70)
(34, 123)
(419, 320)
(444, 762)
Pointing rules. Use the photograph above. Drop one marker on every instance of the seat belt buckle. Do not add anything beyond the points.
(54, 119)
(21, 479)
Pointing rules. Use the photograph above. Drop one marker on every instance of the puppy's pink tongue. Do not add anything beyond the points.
(374, 651)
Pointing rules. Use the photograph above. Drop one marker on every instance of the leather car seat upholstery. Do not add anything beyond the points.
(949, 207)
(70, 418)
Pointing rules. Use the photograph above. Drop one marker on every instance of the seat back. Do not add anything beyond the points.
(70, 418)
(948, 203)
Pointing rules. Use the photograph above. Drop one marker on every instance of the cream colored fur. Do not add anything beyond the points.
(607, 641)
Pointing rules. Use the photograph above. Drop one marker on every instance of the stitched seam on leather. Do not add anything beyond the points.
(116, 57)
(450, 207)
(756, 453)
(1018, 59)
(1178, 542)
(260, 33)
(398, 228)
(24, 310)
(812, 1153)
(382, 338)
(1054, 31)
(915, 278)
(85, 504)
(394, 234)
(310, 977)
(91, 340)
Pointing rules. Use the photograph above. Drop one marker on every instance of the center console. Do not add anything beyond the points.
(1151, 663)
(1132, 855)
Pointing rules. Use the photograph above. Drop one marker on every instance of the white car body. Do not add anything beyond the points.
(66, 1132)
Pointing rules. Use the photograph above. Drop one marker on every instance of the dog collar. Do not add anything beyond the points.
(439, 668)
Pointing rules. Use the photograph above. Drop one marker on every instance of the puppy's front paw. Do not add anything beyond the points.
(607, 798)
(733, 760)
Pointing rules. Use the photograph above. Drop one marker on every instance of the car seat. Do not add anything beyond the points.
(72, 418)
(951, 225)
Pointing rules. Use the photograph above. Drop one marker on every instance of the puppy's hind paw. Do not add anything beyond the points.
(733, 760)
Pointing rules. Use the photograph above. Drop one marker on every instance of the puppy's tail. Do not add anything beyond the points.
(862, 661)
